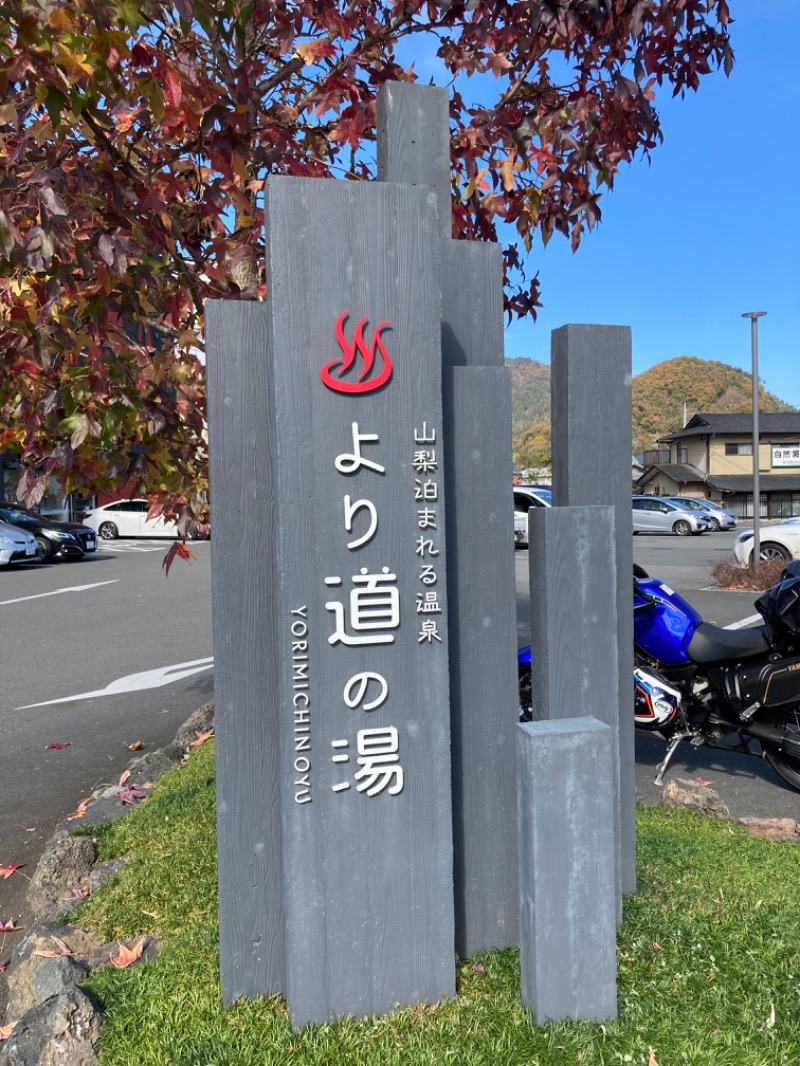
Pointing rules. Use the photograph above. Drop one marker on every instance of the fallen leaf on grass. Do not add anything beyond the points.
(127, 956)
(479, 969)
(9, 927)
(652, 1061)
(7, 1030)
(136, 746)
(7, 871)
(201, 738)
(58, 747)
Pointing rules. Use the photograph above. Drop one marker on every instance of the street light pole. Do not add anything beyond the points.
(754, 317)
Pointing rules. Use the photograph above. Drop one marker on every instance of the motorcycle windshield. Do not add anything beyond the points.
(664, 629)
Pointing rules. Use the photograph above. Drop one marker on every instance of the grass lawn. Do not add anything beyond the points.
(709, 960)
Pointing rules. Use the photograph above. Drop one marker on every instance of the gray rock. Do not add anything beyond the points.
(104, 871)
(47, 937)
(40, 978)
(62, 1031)
(773, 828)
(693, 796)
(200, 721)
(147, 768)
(65, 864)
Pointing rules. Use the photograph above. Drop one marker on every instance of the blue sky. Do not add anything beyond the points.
(709, 229)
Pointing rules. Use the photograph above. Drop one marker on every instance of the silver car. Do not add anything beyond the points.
(655, 514)
(16, 546)
(718, 516)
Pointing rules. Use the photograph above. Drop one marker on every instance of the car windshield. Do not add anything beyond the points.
(679, 503)
(543, 494)
(13, 514)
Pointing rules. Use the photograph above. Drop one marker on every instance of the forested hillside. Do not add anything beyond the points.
(663, 397)
(666, 392)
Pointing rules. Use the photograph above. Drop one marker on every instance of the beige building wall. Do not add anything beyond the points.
(720, 463)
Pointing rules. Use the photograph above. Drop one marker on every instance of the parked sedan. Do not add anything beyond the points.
(16, 546)
(655, 514)
(55, 540)
(127, 518)
(781, 541)
(717, 516)
(525, 497)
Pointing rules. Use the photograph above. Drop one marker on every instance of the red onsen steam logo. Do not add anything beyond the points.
(375, 371)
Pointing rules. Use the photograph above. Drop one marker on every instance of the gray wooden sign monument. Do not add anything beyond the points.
(336, 470)
(379, 809)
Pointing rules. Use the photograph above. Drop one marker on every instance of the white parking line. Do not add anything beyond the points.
(55, 592)
(163, 675)
(753, 620)
(134, 547)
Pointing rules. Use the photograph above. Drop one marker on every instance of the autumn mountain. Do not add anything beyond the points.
(663, 398)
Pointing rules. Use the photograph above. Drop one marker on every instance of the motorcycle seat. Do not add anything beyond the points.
(713, 644)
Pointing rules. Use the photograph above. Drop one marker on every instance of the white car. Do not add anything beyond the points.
(781, 541)
(127, 518)
(526, 497)
(16, 546)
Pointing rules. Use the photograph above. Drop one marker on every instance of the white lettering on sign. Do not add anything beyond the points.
(374, 605)
(350, 511)
(350, 463)
(424, 462)
(357, 687)
(301, 717)
(424, 435)
(378, 759)
(425, 490)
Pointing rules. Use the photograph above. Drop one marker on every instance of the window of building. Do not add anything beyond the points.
(738, 449)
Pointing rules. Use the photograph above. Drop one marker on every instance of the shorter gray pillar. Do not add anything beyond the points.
(567, 870)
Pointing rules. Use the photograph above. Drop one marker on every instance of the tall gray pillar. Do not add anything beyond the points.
(574, 655)
(414, 147)
(591, 435)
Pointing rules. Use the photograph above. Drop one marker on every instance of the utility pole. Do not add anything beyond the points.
(754, 317)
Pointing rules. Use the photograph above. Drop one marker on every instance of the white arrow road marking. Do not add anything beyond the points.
(163, 675)
(55, 592)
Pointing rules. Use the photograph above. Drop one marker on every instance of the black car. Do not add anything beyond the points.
(55, 540)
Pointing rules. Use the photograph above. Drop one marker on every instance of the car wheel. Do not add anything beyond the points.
(773, 551)
(108, 531)
(44, 549)
(715, 526)
(682, 528)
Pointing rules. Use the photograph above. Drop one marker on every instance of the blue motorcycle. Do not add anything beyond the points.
(697, 682)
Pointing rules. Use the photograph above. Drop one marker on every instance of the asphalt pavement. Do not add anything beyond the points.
(97, 655)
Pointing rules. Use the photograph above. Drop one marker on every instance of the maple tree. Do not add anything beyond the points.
(135, 137)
